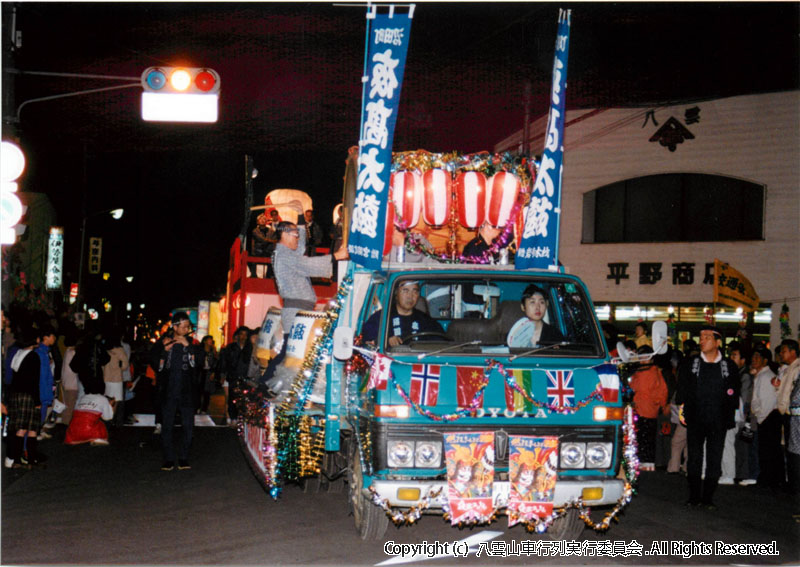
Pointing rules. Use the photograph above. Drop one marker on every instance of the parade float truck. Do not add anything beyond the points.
(482, 417)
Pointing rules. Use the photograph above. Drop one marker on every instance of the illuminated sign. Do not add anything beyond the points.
(55, 258)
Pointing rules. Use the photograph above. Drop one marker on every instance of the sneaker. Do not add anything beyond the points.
(183, 465)
(96, 442)
(726, 480)
(747, 482)
(9, 463)
(43, 435)
(167, 466)
(157, 430)
(49, 425)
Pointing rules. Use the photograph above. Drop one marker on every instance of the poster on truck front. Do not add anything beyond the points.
(470, 475)
(532, 467)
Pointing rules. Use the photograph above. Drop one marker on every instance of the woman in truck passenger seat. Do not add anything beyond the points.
(531, 330)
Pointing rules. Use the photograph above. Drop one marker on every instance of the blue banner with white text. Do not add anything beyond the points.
(387, 44)
(539, 245)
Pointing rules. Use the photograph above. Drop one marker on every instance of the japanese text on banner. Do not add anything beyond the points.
(539, 245)
(387, 44)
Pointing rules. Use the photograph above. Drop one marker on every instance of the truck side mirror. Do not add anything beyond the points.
(660, 337)
(342, 343)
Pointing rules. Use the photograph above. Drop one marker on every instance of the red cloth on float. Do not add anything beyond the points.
(86, 424)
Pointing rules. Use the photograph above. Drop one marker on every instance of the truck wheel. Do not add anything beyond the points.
(567, 527)
(331, 477)
(371, 521)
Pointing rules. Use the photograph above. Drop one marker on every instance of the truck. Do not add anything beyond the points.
(393, 421)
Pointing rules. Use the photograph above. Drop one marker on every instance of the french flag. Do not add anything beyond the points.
(609, 382)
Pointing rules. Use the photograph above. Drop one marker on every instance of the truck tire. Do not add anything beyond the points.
(568, 527)
(331, 478)
(370, 520)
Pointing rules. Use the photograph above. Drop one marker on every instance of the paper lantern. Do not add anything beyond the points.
(471, 198)
(407, 196)
(501, 194)
(389, 232)
(436, 203)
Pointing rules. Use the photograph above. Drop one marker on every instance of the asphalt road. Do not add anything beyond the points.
(113, 505)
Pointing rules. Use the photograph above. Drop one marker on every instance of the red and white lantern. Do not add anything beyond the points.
(389, 231)
(436, 204)
(501, 194)
(407, 196)
(471, 198)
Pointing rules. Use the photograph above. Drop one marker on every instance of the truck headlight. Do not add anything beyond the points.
(598, 455)
(428, 454)
(572, 455)
(400, 454)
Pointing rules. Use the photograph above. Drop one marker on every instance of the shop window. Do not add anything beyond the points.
(674, 207)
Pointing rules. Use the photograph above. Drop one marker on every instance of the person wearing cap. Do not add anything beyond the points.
(708, 389)
(764, 408)
(404, 319)
(174, 360)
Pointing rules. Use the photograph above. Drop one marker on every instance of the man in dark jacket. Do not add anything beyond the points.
(233, 365)
(708, 388)
(174, 361)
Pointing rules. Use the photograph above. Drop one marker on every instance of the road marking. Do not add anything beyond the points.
(472, 541)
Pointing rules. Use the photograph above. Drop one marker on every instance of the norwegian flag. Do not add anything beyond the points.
(379, 372)
(560, 391)
(425, 384)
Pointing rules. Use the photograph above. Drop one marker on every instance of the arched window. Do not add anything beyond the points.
(674, 207)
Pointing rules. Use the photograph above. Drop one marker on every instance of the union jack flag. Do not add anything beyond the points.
(425, 384)
(560, 391)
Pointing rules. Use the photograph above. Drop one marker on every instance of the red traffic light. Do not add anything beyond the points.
(187, 80)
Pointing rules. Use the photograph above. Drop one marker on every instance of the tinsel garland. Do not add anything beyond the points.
(458, 414)
(542, 524)
(294, 453)
(597, 394)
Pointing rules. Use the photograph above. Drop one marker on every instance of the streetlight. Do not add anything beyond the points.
(115, 214)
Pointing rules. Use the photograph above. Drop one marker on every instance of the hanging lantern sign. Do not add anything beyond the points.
(471, 198)
(501, 195)
(407, 196)
(436, 204)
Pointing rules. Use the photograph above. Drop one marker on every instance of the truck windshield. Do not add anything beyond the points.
(480, 315)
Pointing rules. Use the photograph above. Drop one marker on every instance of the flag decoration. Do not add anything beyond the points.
(609, 382)
(470, 475)
(539, 245)
(379, 372)
(515, 400)
(560, 391)
(731, 288)
(468, 380)
(533, 469)
(388, 36)
(425, 384)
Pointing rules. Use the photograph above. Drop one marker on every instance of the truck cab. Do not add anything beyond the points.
(487, 365)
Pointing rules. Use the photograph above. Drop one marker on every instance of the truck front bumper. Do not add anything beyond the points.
(610, 491)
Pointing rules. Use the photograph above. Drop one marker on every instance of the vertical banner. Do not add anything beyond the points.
(470, 475)
(55, 258)
(532, 469)
(539, 245)
(387, 44)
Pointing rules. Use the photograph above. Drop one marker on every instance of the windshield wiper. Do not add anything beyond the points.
(424, 354)
(538, 349)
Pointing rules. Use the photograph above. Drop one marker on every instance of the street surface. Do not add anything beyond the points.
(113, 505)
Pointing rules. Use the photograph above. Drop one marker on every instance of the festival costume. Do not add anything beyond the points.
(400, 325)
(86, 425)
(709, 392)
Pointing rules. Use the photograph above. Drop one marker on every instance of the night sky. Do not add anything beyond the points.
(290, 76)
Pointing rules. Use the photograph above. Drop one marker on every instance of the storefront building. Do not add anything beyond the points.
(652, 196)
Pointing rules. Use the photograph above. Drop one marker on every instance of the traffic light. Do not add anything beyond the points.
(180, 94)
